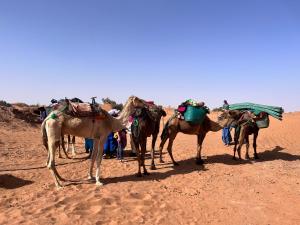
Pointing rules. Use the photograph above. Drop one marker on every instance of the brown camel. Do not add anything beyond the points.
(145, 124)
(96, 127)
(176, 125)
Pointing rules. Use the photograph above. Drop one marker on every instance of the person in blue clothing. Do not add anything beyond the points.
(110, 146)
(89, 143)
(226, 136)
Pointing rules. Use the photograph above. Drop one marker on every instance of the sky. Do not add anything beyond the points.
(162, 50)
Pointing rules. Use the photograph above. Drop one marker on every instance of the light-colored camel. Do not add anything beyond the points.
(98, 128)
(176, 125)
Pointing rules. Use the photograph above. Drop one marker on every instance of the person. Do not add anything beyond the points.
(43, 113)
(226, 136)
(110, 146)
(122, 142)
(89, 143)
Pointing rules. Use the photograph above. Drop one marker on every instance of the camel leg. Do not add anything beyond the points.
(64, 147)
(254, 145)
(170, 145)
(143, 152)
(73, 146)
(247, 147)
(93, 158)
(68, 143)
(161, 146)
(59, 154)
(154, 137)
(236, 141)
(200, 139)
(98, 161)
(241, 140)
(138, 153)
(51, 162)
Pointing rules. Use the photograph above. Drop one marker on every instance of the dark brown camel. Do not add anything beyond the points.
(66, 150)
(246, 126)
(144, 125)
(175, 125)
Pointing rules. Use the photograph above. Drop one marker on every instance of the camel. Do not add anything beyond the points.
(145, 124)
(66, 150)
(176, 125)
(245, 126)
(96, 127)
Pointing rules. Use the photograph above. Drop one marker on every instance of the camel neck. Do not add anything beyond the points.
(214, 126)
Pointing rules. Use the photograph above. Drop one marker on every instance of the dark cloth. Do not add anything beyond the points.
(89, 144)
(226, 136)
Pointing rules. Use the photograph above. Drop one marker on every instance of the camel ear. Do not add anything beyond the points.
(163, 113)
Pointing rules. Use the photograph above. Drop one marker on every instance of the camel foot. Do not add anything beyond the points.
(234, 158)
(161, 161)
(247, 157)
(175, 163)
(98, 183)
(199, 162)
(153, 167)
(91, 177)
(146, 173)
(256, 156)
(139, 174)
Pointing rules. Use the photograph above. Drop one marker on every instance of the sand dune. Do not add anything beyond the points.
(223, 191)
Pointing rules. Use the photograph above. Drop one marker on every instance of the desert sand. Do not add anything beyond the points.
(223, 191)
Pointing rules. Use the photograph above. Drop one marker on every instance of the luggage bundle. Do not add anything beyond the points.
(261, 112)
(192, 111)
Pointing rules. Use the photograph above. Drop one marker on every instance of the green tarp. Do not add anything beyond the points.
(274, 111)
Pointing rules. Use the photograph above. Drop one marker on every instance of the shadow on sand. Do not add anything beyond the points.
(268, 155)
(9, 181)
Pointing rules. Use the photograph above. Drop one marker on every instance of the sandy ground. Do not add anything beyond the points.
(223, 191)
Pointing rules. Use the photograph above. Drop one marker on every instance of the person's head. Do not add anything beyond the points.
(53, 101)
(225, 102)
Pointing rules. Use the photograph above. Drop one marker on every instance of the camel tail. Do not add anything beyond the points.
(165, 132)
(44, 134)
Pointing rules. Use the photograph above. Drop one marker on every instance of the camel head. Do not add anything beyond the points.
(129, 107)
(229, 118)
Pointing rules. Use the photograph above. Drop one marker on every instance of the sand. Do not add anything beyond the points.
(223, 191)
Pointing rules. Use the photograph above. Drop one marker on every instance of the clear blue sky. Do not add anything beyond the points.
(161, 50)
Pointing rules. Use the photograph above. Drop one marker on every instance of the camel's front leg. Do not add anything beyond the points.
(143, 152)
(247, 147)
(254, 145)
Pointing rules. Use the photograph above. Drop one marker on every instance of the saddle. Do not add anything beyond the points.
(84, 110)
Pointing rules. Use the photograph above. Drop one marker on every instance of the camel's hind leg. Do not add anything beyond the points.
(154, 137)
(99, 160)
(93, 158)
(200, 139)
(51, 162)
(170, 146)
(73, 146)
(161, 146)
